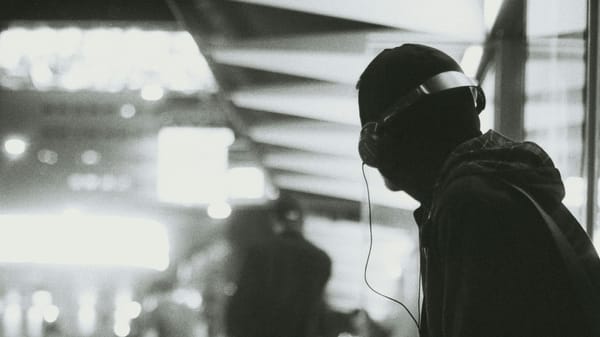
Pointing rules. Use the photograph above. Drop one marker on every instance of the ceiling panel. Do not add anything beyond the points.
(456, 18)
(320, 101)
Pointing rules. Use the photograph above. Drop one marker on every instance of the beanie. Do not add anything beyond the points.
(394, 72)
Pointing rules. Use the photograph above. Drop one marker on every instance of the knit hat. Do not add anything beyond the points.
(394, 72)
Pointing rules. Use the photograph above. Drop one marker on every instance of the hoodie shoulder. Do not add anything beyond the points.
(477, 216)
(475, 191)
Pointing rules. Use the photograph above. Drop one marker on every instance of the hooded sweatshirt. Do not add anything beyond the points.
(490, 266)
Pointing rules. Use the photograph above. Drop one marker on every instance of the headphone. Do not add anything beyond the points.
(371, 134)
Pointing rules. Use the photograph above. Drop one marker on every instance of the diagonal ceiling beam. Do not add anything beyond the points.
(319, 137)
(456, 18)
(334, 67)
(320, 101)
(356, 42)
(334, 57)
(315, 164)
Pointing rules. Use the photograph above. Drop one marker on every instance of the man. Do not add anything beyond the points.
(281, 282)
(490, 264)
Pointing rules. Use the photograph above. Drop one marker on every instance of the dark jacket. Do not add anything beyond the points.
(279, 289)
(490, 265)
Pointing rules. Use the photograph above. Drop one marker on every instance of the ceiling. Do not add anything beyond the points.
(287, 69)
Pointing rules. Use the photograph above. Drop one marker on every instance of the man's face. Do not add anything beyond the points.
(402, 162)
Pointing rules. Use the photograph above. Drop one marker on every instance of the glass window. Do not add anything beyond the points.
(554, 109)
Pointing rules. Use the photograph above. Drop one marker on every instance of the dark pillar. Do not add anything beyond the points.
(591, 119)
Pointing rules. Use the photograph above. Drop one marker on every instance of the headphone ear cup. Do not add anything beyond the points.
(370, 144)
(480, 101)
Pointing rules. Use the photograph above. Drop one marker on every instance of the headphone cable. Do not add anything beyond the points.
(369, 258)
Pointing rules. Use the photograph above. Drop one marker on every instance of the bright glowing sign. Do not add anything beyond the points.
(103, 59)
(192, 164)
(79, 239)
(246, 183)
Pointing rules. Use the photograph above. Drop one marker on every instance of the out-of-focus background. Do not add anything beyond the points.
(143, 140)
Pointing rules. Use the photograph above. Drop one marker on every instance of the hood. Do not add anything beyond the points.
(524, 164)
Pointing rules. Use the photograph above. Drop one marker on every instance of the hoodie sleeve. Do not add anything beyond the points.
(490, 263)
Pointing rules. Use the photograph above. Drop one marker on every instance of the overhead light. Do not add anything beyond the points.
(127, 111)
(12, 316)
(51, 313)
(121, 328)
(152, 92)
(189, 297)
(90, 157)
(41, 298)
(86, 315)
(73, 58)
(15, 146)
(47, 156)
(219, 210)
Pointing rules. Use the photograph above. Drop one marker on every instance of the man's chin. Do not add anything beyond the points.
(391, 185)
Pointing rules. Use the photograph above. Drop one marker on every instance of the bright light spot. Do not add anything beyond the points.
(94, 182)
(15, 146)
(471, 59)
(219, 210)
(246, 182)
(12, 315)
(150, 304)
(127, 111)
(134, 309)
(41, 298)
(34, 322)
(152, 92)
(575, 189)
(126, 309)
(84, 59)
(490, 12)
(192, 164)
(12, 319)
(86, 315)
(81, 239)
(41, 75)
(51, 313)
(47, 156)
(188, 297)
(122, 329)
(90, 157)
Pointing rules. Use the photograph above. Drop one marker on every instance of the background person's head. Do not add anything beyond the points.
(288, 215)
(417, 141)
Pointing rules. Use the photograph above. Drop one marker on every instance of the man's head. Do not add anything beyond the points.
(412, 145)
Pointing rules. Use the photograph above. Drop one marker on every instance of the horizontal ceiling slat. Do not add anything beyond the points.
(325, 138)
(455, 18)
(314, 164)
(334, 67)
(320, 101)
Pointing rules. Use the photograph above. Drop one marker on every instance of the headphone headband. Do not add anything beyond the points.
(440, 82)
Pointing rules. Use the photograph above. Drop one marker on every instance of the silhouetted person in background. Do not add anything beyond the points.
(281, 282)
(491, 265)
